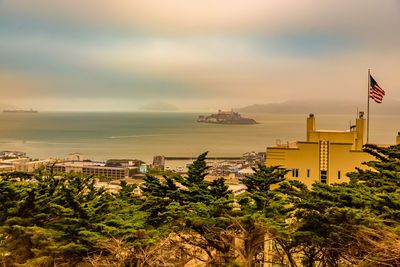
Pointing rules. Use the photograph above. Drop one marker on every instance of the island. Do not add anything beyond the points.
(225, 117)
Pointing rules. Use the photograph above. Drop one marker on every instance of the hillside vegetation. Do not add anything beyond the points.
(181, 220)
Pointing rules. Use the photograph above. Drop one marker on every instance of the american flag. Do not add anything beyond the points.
(375, 91)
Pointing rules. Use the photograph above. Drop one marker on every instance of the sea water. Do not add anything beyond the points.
(104, 135)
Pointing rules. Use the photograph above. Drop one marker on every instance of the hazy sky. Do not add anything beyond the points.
(196, 54)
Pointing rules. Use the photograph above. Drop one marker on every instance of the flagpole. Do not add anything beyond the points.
(369, 85)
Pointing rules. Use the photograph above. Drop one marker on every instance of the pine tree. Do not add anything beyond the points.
(337, 222)
(193, 208)
(47, 220)
(263, 214)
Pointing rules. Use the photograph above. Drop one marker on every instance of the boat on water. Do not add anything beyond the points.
(225, 117)
(20, 111)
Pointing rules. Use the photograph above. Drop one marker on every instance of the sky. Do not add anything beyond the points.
(192, 54)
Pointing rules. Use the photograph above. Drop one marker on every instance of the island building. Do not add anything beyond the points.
(225, 117)
(325, 156)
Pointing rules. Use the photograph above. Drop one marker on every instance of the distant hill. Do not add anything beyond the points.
(159, 106)
(323, 107)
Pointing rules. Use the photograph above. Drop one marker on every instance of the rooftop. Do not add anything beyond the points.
(287, 145)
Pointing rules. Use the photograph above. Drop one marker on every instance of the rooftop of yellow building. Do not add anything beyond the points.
(355, 136)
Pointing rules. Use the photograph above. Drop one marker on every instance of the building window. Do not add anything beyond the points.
(308, 173)
(338, 175)
(323, 177)
(295, 172)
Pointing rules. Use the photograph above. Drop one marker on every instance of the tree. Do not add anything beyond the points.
(263, 214)
(340, 223)
(47, 220)
(194, 209)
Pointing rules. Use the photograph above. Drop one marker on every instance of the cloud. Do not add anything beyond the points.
(197, 52)
(73, 71)
(17, 85)
(209, 16)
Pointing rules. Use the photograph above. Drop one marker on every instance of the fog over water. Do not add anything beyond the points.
(141, 135)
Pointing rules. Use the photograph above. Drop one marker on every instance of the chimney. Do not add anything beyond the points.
(310, 126)
(361, 131)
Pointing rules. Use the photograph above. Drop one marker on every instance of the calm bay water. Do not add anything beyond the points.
(100, 136)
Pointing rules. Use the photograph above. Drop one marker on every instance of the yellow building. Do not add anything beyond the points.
(325, 156)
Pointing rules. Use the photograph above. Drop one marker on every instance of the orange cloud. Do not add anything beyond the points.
(21, 85)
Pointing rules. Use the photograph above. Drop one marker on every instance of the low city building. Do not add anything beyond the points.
(247, 171)
(32, 166)
(325, 156)
(25, 164)
(98, 169)
(106, 171)
(226, 167)
(6, 168)
(12, 154)
(159, 162)
(124, 162)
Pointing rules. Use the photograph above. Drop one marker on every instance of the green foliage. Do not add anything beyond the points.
(327, 224)
(65, 220)
(190, 206)
(332, 218)
(264, 211)
(259, 187)
(44, 219)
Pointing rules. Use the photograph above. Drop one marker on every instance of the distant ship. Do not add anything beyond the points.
(226, 117)
(20, 111)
